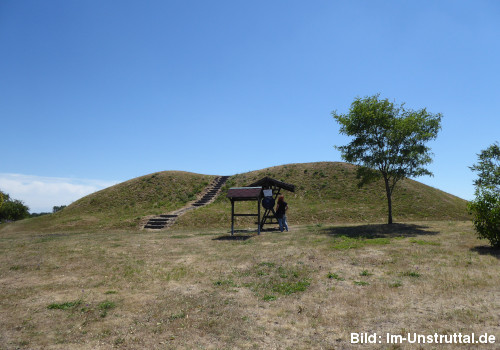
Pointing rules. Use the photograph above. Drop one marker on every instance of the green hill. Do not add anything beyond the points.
(125, 204)
(326, 192)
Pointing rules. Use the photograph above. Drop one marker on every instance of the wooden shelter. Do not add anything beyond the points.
(236, 194)
(257, 191)
(276, 186)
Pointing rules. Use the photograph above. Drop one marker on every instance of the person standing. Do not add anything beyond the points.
(281, 209)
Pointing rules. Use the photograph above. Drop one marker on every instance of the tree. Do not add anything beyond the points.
(57, 208)
(12, 209)
(488, 169)
(389, 141)
(485, 208)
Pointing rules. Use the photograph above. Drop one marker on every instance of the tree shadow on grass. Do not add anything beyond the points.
(379, 231)
(487, 250)
(232, 238)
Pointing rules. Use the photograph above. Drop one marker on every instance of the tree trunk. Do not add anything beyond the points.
(389, 200)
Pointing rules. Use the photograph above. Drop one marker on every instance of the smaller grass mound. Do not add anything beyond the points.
(124, 205)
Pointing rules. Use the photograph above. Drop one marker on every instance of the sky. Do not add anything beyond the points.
(96, 92)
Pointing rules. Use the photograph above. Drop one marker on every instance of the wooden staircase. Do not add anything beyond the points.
(210, 195)
(163, 221)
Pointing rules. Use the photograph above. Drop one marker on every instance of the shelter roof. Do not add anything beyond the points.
(268, 182)
(244, 193)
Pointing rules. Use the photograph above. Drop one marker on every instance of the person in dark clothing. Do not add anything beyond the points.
(281, 209)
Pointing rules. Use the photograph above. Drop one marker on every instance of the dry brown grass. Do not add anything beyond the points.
(305, 289)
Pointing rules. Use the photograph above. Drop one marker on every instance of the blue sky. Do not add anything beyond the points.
(98, 92)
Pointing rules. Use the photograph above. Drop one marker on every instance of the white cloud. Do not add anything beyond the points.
(40, 194)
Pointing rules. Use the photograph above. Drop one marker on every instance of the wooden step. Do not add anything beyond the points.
(154, 227)
(163, 220)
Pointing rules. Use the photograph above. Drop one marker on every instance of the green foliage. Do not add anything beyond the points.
(410, 274)
(488, 169)
(389, 141)
(485, 208)
(64, 306)
(57, 208)
(35, 215)
(105, 306)
(74, 306)
(12, 209)
(361, 283)
(335, 276)
(395, 284)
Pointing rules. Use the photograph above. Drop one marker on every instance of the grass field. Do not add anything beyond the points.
(201, 289)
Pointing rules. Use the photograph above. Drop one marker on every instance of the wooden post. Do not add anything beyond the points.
(232, 218)
(258, 215)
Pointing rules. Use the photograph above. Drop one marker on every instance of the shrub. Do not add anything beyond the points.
(335, 276)
(485, 211)
(12, 209)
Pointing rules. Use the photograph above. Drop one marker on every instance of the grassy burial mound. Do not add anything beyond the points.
(327, 192)
(126, 204)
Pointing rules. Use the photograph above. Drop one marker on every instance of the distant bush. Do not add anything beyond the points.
(35, 215)
(12, 209)
(56, 208)
(485, 209)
